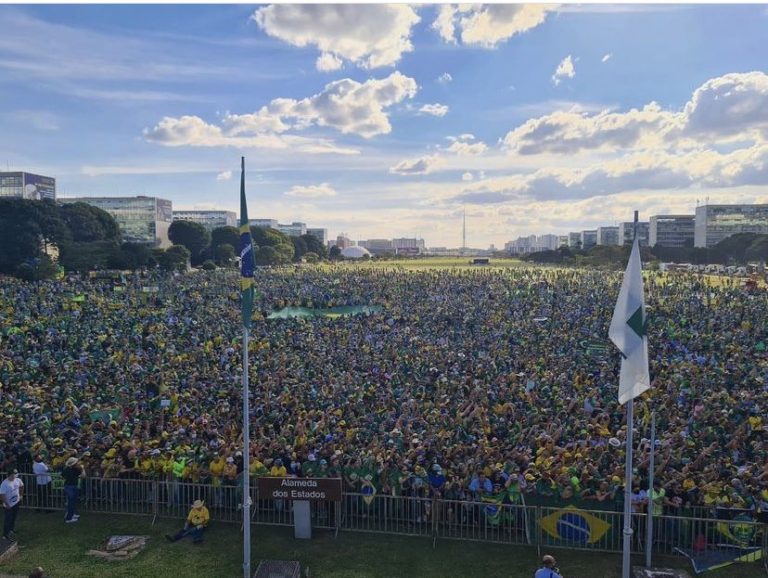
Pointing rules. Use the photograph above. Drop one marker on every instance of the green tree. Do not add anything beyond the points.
(314, 245)
(87, 256)
(37, 269)
(193, 236)
(28, 229)
(334, 253)
(266, 237)
(175, 258)
(224, 254)
(299, 248)
(208, 265)
(225, 236)
(311, 257)
(88, 223)
(266, 256)
(131, 256)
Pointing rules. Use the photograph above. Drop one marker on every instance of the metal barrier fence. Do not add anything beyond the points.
(550, 527)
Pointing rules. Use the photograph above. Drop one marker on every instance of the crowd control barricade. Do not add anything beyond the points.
(711, 534)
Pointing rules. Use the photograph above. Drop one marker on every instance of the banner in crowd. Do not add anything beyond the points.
(573, 525)
(293, 312)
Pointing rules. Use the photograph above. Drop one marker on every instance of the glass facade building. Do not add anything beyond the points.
(607, 236)
(627, 233)
(717, 222)
(27, 186)
(208, 219)
(671, 230)
(141, 219)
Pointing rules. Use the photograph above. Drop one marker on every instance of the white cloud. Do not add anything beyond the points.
(420, 166)
(195, 132)
(368, 35)
(463, 145)
(487, 25)
(434, 109)
(467, 177)
(224, 176)
(311, 191)
(606, 58)
(344, 105)
(564, 70)
(726, 109)
(444, 78)
(642, 171)
(328, 62)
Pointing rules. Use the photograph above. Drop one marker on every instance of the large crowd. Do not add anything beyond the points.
(468, 383)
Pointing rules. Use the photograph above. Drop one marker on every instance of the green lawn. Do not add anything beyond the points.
(45, 540)
(426, 263)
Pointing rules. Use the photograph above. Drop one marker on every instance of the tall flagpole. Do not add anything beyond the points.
(651, 492)
(626, 557)
(246, 271)
(246, 464)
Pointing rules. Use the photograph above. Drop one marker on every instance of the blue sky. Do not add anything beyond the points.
(389, 120)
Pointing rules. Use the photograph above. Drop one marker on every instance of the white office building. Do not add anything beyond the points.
(717, 222)
(208, 219)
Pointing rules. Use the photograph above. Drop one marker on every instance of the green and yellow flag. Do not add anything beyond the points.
(247, 259)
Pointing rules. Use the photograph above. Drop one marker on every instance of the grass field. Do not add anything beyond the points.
(426, 263)
(61, 550)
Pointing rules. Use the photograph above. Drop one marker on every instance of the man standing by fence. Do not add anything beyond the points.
(43, 482)
(72, 474)
(11, 492)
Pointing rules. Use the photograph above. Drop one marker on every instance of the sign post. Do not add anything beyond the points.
(301, 491)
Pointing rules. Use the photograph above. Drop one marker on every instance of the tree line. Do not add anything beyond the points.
(39, 238)
(738, 249)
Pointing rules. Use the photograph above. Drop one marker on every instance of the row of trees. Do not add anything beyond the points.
(38, 237)
(737, 249)
(218, 246)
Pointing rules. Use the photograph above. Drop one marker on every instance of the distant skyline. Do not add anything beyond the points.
(385, 121)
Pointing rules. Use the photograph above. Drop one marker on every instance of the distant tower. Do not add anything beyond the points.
(464, 233)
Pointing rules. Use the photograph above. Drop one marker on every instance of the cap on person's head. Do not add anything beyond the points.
(12, 472)
(197, 504)
(71, 462)
(548, 561)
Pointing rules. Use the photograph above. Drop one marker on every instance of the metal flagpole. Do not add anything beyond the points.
(626, 563)
(246, 465)
(626, 557)
(651, 492)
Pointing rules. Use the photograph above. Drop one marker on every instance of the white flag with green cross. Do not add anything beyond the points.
(628, 331)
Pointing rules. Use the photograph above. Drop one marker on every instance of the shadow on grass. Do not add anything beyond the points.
(61, 550)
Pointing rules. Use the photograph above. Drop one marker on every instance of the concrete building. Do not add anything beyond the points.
(574, 240)
(27, 186)
(208, 219)
(265, 223)
(294, 229)
(408, 246)
(378, 246)
(627, 233)
(671, 230)
(588, 238)
(562, 241)
(717, 222)
(607, 236)
(342, 241)
(141, 219)
(319, 234)
(532, 244)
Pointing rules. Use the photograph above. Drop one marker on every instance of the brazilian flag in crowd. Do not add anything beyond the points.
(247, 258)
(574, 526)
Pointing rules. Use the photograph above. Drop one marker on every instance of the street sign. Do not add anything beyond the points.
(311, 489)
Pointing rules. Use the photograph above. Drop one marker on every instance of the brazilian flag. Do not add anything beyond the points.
(247, 258)
(574, 525)
(493, 509)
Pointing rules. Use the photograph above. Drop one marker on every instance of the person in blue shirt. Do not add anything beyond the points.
(480, 485)
(549, 570)
(436, 480)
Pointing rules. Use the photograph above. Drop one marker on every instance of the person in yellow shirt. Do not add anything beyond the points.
(196, 523)
(216, 468)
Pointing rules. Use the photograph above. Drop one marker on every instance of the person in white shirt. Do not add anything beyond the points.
(43, 482)
(11, 492)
